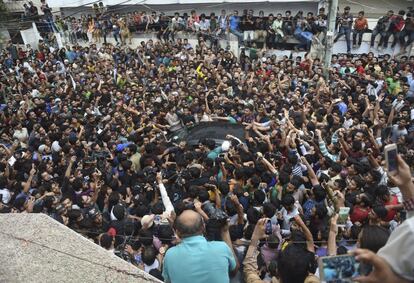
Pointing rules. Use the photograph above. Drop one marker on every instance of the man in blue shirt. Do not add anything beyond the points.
(195, 259)
(234, 25)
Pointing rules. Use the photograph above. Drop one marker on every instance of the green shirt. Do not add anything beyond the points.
(197, 260)
(393, 86)
(232, 120)
(214, 153)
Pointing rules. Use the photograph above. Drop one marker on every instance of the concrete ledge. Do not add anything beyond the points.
(58, 254)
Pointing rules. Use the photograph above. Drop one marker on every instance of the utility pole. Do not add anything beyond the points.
(330, 33)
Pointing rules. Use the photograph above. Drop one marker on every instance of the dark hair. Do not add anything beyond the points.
(253, 215)
(236, 232)
(336, 167)
(373, 237)
(288, 200)
(296, 181)
(273, 241)
(145, 237)
(319, 193)
(230, 208)
(165, 234)
(149, 255)
(259, 197)
(380, 211)
(294, 264)
(269, 210)
(382, 191)
(106, 241)
(321, 211)
(340, 183)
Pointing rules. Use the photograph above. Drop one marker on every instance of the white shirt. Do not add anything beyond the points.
(286, 219)
(204, 25)
(398, 104)
(399, 250)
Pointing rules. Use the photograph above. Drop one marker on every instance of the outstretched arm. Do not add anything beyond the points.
(308, 235)
(164, 196)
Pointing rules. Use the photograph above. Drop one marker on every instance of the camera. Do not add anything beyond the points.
(214, 213)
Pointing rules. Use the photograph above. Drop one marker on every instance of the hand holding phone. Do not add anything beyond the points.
(342, 268)
(391, 153)
(343, 216)
(268, 228)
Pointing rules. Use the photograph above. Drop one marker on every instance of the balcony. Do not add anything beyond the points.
(16, 6)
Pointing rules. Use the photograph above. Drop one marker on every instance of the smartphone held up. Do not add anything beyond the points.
(391, 154)
(341, 268)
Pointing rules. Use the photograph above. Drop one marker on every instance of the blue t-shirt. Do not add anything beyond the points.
(197, 260)
(234, 22)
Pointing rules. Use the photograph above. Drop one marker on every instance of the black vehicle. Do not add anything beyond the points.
(216, 131)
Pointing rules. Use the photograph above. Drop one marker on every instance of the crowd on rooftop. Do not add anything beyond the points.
(271, 31)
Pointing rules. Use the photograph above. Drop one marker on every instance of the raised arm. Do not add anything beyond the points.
(250, 266)
(239, 207)
(28, 183)
(333, 231)
(69, 169)
(391, 116)
(164, 196)
(269, 165)
(312, 176)
(402, 179)
(308, 235)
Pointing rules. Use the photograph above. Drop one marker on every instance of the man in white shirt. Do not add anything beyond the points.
(288, 212)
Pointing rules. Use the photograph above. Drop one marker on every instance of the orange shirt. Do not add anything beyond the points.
(360, 24)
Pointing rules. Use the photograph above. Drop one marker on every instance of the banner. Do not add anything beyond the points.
(31, 36)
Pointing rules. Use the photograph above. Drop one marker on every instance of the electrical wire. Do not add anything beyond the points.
(137, 238)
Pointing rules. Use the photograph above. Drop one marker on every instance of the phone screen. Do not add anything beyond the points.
(392, 160)
(268, 228)
(343, 215)
(339, 268)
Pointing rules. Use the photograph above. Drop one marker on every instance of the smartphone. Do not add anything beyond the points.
(391, 153)
(268, 228)
(341, 268)
(11, 161)
(343, 216)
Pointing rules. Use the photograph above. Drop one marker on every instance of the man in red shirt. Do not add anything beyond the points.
(390, 202)
(396, 26)
(360, 26)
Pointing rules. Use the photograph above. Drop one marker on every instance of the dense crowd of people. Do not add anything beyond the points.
(86, 138)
